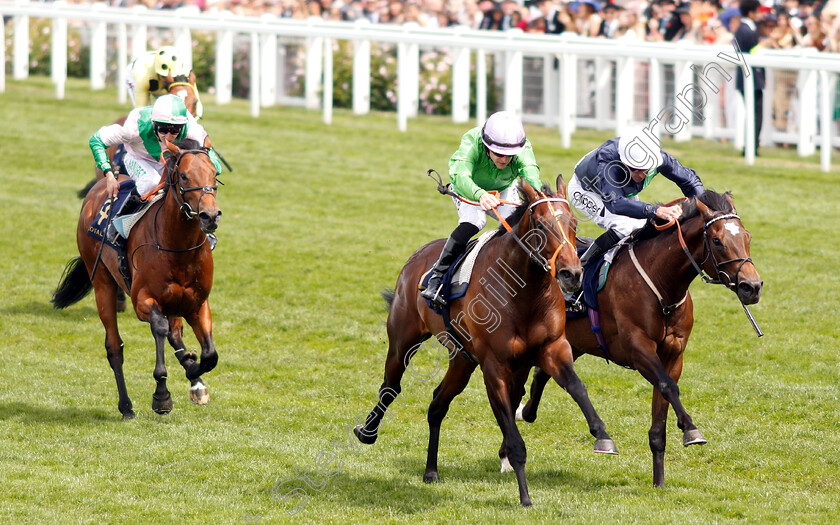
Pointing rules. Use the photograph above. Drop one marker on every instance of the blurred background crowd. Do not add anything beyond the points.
(781, 23)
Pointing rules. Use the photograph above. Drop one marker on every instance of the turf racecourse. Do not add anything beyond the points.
(317, 220)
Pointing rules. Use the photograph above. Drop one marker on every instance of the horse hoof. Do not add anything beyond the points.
(526, 501)
(431, 477)
(162, 407)
(128, 415)
(363, 436)
(506, 466)
(606, 446)
(199, 394)
(519, 412)
(693, 437)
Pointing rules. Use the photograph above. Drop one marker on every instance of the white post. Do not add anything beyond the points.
(255, 75)
(826, 122)
(328, 81)
(224, 66)
(402, 88)
(98, 51)
(807, 89)
(412, 73)
(683, 77)
(183, 43)
(58, 66)
(568, 96)
(122, 62)
(513, 77)
(624, 92)
(654, 92)
(314, 61)
(740, 121)
(461, 84)
(20, 66)
(603, 78)
(280, 73)
(749, 115)
(139, 33)
(361, 70)
(268, 65)
(480, 86)
(551, 88)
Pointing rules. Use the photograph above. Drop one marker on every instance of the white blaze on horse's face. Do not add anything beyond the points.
(732, 228)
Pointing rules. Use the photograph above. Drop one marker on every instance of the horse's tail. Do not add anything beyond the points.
(388, 295)
(84, 191)
(74, 285)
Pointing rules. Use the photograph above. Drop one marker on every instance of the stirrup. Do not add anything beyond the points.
(574, 303)
(434, 296)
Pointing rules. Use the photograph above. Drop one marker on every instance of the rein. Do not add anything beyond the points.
(549, 265)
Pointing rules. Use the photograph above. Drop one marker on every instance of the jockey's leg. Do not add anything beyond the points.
(604, 242)
(455, 245)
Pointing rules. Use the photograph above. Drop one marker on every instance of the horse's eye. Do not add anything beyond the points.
(716, 241)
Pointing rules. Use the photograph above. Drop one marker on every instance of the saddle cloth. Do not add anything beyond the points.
(457, 278)
(124, 223)
(97, 227)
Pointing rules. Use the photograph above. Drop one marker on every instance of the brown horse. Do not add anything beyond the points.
(646, 311)
(171, 271)
(511, 319)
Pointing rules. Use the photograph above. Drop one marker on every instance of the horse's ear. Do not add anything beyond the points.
(703, 209)
(173, 149)
(207, 143)
(728, 197)
(561, 185)
(529, 191)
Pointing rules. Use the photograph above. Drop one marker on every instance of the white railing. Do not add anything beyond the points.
(699, 72)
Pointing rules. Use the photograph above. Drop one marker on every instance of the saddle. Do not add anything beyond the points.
(456, 280)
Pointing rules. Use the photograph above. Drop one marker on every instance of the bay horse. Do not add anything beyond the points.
(510, 319)
(171, 269)
(646, 311)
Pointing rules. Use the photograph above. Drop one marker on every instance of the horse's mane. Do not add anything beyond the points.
(718, 202)
(520, 210)
(181, 78)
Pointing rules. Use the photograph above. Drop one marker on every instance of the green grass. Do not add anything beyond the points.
(317, 220)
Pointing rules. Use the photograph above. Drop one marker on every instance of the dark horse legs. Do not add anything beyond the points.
(161, 400)
(189, 361)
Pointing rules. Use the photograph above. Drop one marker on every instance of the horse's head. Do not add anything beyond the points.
(550, 233)
(727, 248)
(182, 88)
(192, 176)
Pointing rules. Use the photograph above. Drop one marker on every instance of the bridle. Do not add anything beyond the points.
(175, 181)
(722, 276)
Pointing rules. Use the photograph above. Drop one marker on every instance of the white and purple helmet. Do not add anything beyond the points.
(639, 150)
(503, 134)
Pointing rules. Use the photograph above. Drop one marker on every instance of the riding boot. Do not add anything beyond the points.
(604, 242)
(454, 247)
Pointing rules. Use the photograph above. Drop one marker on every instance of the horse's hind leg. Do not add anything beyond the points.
(161, 400)
(198, 390)
(557, 361)
(456, 379)
(528, 412)
(404, 342)
(105, 293)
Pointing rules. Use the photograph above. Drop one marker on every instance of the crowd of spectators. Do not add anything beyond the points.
(781, 24)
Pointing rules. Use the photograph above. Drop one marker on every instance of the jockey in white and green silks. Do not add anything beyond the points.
(144, 135)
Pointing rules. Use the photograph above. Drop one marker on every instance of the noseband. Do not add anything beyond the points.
(175, 181)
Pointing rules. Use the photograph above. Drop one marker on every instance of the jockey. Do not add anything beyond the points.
(607, 180)
(153, 73)
(490, 158)
(144, 134)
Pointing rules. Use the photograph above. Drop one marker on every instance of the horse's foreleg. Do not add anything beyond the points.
(517, 391)
(557, 361)
(402, 346)
(456, 379)
(498, 380)
(656, 437)
(648, 363)
(202, 325)
(105, 293)
(528, 412)
(161, 400)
